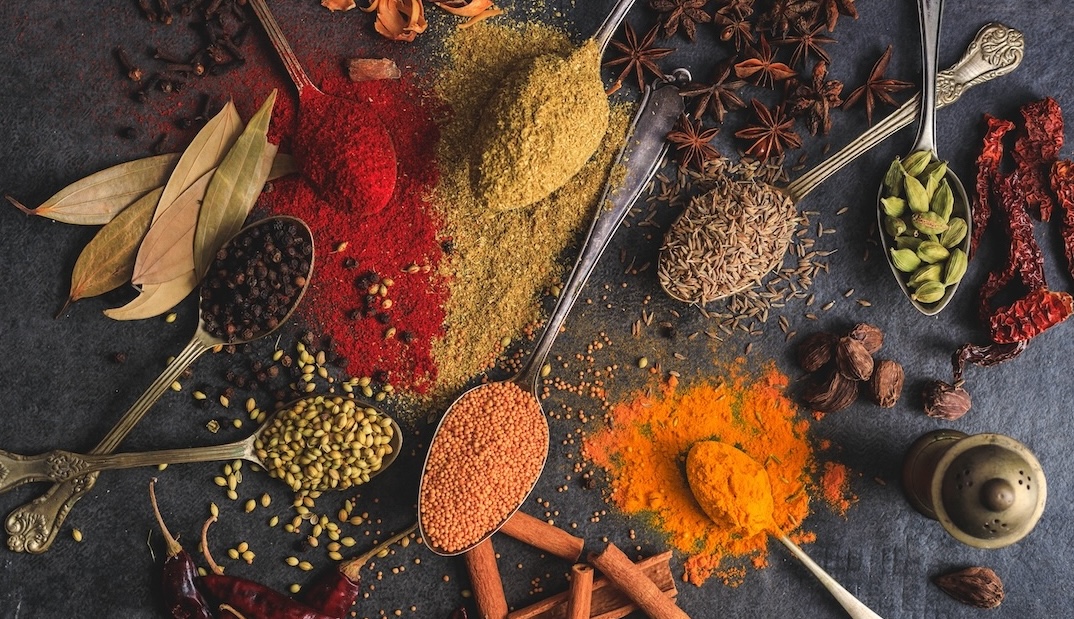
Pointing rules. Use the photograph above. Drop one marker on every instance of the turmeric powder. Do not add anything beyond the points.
(730, 487)
(645, 448)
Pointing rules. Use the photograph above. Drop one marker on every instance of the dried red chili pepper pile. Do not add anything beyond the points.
(1038, 183)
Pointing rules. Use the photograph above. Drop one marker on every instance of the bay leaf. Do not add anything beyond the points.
(107, 261)
(168, 248)
(97, 198)
(155, 299)
(203, 154)
(234, 187)
(282, 165)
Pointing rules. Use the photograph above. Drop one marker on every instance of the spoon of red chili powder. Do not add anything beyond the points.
(489, 449)
(340, 146)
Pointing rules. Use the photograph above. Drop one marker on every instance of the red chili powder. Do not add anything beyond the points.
(835, 486)
(391, 341)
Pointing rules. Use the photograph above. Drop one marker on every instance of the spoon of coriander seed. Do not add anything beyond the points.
(230, 313)
(354, 442)
(922, 208)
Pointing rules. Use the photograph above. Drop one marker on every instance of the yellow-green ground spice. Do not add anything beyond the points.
(501, 260)
(541, 127)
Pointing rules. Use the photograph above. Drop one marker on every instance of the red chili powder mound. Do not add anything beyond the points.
(835, 487)
(385, 336)
(645, 447)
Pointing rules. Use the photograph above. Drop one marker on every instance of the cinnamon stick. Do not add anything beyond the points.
(580, 600)
(607, 601)
(544, 536)
(632, 581)
(485, 581)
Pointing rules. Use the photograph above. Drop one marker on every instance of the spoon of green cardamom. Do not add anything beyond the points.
(922, 210)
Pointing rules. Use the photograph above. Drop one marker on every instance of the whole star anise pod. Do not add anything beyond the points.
(638, 55)
(761, 65)
(808, 42)
(877, 87)
(717, 96)
(782, 14)
(815, 100)
(734, 24)
(832, 9)
(771, 133)
(685, 13)
(693, 142)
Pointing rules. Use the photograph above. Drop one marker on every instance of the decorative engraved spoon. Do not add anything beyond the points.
(34, 526)
(995, 51)
(61, 466)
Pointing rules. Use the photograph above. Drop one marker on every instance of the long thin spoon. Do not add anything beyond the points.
(33, 527)
(930, 13)
(995, 51)
(319, 116)
(644, 148)
(60, 466)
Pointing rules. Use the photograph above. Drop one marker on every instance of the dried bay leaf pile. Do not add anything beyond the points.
(163, 218)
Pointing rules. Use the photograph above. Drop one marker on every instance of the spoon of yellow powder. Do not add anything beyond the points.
(546, 120)
(734, 491)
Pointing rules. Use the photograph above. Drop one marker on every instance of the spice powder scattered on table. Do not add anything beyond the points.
(644, 449)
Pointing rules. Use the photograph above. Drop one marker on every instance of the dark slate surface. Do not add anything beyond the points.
(62, 104)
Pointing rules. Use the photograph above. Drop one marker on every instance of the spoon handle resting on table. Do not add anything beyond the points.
(854, 607)
(995, 51)
(33, 527)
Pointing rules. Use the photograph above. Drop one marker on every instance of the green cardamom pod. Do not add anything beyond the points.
(893, 207)
(931, 185)
(957, 228)
(905, 260)
(916, 162)
(908, 241)
(932, 252)
(943, 201)
(894, 226)
(917, 198)
(929, 292)
(929, 223)
(927, 273)
(936, 170)
(956, 267)
(893, 178)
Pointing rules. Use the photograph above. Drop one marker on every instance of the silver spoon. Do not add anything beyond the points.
(641, 155)
(33, 527)
(929, 17)
(995, 51)
(61, 466)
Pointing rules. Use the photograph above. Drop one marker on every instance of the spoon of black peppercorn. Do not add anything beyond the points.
(228, 315)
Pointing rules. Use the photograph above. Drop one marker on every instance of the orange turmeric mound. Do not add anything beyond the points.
(645, 449)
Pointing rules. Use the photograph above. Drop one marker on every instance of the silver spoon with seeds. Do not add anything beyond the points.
(715, 249)
(316, 443)
(643, 149)
(33, 527)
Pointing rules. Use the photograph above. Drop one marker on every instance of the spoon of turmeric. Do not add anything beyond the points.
(733, 490)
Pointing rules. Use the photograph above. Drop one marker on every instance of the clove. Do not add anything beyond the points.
(134, 74)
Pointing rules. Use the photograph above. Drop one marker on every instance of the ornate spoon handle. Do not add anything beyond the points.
(995, 51)
(33, 527)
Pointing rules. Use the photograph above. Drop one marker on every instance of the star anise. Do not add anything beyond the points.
(718, 96)
(638, 56)
(877, 87)
(734, 24)
(782, 14)
(693, 142)
(771, 134)
(761, 65)
(807, 42)
(816, 99)
(832, 9)
(685, 13)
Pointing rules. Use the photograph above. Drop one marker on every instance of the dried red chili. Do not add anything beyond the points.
(987, 172)
(251, 599)
(984, 356)
(179, 576)
(336, 592)
(1034, 152)
(1062, 181)
(1023, 254)
(1030, 316)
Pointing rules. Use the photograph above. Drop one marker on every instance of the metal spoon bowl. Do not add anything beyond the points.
(33, 526)
(929, 17)
(61, 466)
